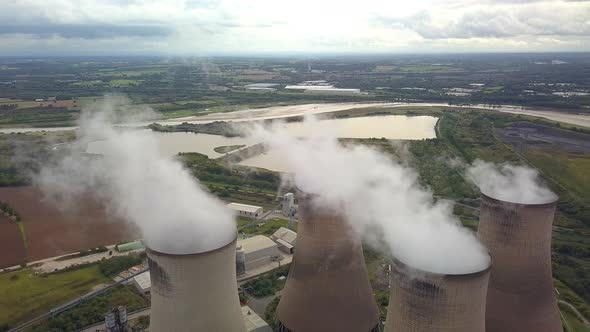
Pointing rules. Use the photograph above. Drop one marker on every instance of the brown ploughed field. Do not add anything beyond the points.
(12, 248)
(52, 231)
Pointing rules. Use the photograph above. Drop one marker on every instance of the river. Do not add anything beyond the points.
(298, 110)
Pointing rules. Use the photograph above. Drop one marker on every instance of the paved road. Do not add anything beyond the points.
(579, 314)
(50, 264)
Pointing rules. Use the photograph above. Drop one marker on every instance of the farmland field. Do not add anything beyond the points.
(51, 231)
(11, 244)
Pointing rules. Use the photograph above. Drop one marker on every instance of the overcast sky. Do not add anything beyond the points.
(203, 27)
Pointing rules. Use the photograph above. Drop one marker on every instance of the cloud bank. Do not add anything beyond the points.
(189, 27)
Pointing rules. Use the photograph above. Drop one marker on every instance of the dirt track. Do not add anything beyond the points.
(51, 231)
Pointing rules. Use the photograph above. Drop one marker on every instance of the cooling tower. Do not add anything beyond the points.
(328, 288)
(423, 301)
(520, 295)
(195, 291)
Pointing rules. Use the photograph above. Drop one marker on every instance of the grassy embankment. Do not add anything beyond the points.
(24, 294)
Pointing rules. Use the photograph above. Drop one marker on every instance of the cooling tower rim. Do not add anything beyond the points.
(409, 269)
(497, 200)
(194, 251)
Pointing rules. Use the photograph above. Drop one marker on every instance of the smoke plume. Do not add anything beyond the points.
(139, 185)
(381, 199)
(510, 183)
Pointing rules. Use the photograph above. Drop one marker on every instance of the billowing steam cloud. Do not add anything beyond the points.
(381, 199)
(511, 183)
(141, 186)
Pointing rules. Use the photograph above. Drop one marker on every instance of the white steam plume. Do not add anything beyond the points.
(140, 185)
(380, 198)
(510, 183)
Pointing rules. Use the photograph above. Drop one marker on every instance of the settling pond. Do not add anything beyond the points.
(389, 127)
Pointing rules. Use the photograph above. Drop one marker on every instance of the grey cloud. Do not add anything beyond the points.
(86, 31)
(499, 22)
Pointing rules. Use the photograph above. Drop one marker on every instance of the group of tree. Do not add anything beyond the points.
(9, 211)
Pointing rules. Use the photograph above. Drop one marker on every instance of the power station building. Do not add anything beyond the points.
(194, 291)
(422, 301)
(327, 288)
(245, 210)
(520, 294)
(258, 251)
(286, 239)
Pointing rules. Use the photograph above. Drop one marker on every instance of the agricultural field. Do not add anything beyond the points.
(12, 244)
(51, 231)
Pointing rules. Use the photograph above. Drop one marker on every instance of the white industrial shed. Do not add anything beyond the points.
(258, 251)
(143, 282)
(286, 239)
(245, 210)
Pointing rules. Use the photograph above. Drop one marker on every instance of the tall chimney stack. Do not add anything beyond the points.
(194, 290)
(328, 287)
(422, 301)
(521, 296)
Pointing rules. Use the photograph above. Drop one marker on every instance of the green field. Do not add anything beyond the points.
(493, 89)
(572, 321)
(124, 82)
(24, 295)
(266, 228)
(88, 83)
(425, 69)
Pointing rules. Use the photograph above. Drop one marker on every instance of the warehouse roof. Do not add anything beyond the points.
(286, 235)
(124, 247)
(143, 281)
(244, 207)
(255, 243)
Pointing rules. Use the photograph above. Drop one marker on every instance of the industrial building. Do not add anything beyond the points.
(130, 246)
(327, 288)
(258, 251)
(520, 293)
(143, 282)
(424, 301)
(194, 291)
(286, 239)
(288, 205)
(333, 91)
(245, 210)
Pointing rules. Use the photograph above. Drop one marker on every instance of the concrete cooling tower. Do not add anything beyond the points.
(328, 288)
(195, 291)
(423, 301)
(520, 295)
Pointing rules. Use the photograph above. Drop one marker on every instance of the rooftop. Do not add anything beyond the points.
(143, 280)
(255, 243)
(285, 235)
(243, 207)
